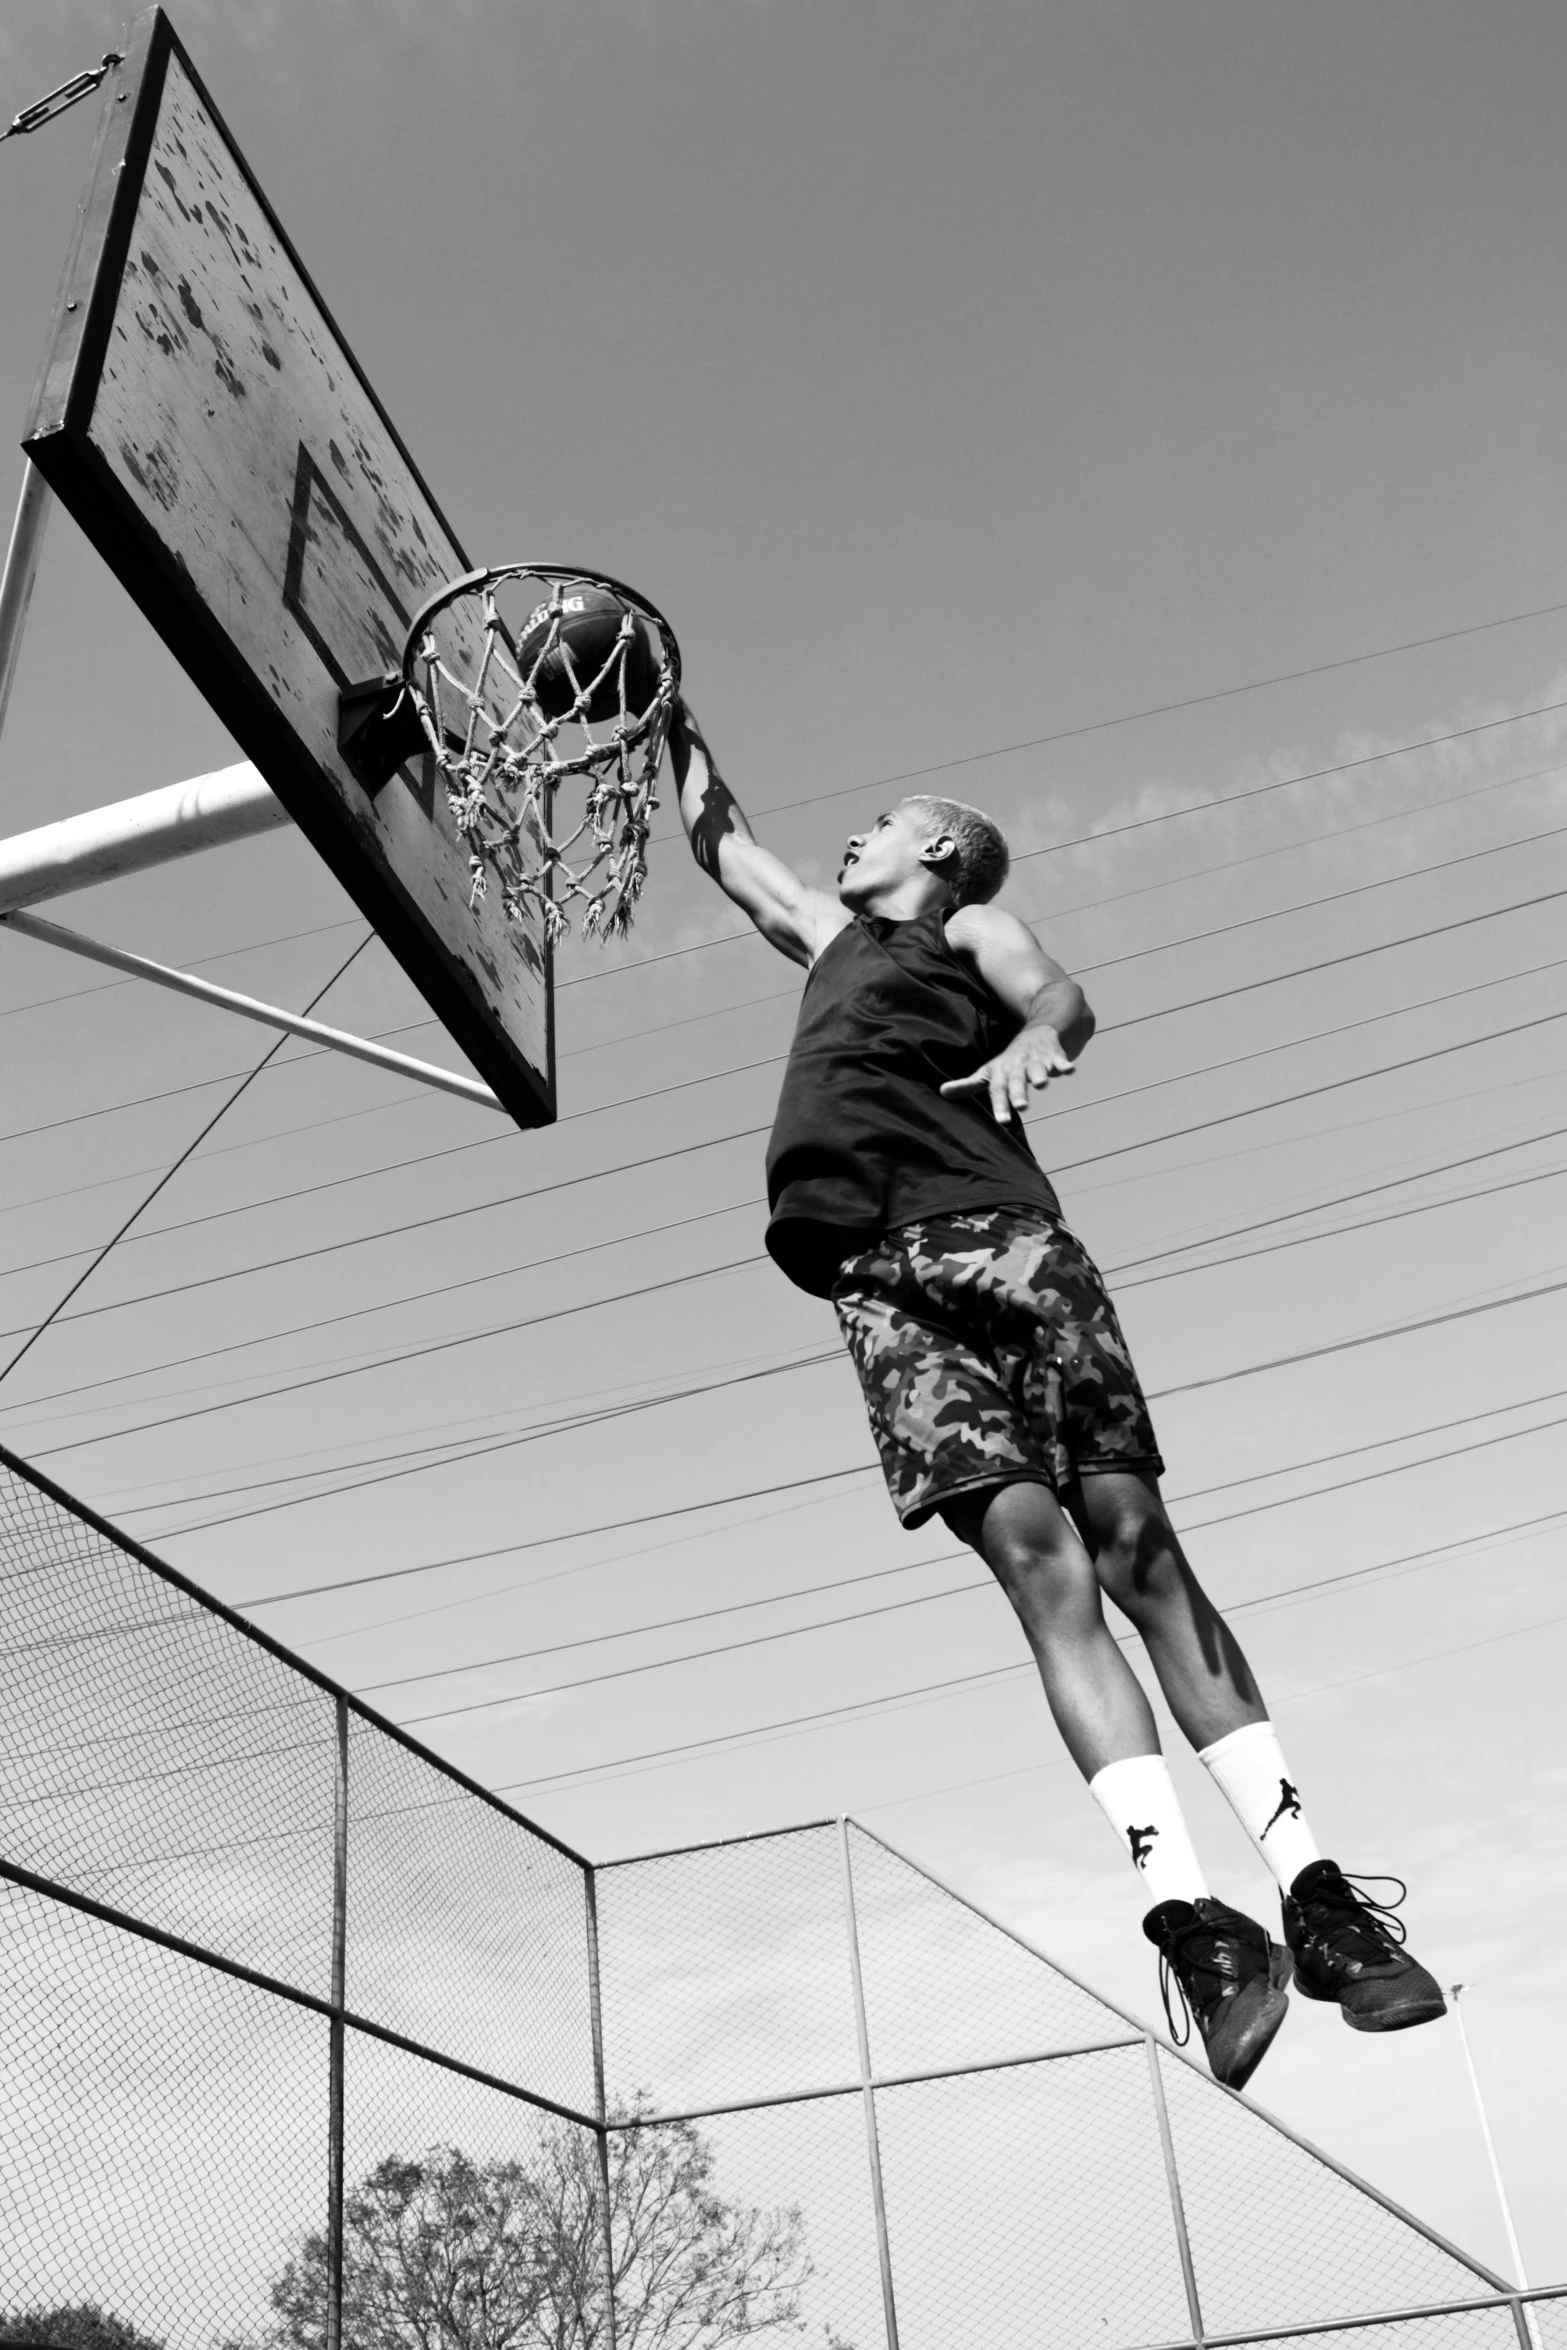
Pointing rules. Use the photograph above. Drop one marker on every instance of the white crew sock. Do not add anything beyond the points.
(1138, 1798)
(1249, 1766)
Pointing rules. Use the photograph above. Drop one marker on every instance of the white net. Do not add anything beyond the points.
(546, 708)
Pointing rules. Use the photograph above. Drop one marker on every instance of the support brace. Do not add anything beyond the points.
(358, 1048)
(21, 569)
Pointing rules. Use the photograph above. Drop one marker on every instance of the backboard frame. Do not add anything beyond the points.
(318, 786)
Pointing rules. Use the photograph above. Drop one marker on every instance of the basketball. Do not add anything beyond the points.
(586, 621)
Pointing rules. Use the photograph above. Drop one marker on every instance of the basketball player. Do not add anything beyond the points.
(1000, 1391)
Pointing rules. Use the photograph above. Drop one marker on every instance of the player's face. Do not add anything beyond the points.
(882, 857)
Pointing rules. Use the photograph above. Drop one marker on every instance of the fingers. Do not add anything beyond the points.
(1010, 1081)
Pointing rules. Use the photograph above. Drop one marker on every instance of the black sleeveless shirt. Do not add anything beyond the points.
(864, 1140)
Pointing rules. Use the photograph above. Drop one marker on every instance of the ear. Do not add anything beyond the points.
(939, 850)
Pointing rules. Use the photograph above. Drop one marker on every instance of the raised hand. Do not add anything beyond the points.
(1026, 1066)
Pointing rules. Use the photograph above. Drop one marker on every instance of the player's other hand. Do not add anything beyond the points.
(1027, 1066)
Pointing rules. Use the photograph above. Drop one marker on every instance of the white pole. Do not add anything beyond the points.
(358, 1048)
(21, 569)
(1514, 2251)
(204, 812)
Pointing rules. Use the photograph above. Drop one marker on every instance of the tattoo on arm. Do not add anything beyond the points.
(717, 819)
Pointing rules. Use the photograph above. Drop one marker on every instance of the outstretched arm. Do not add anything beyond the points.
(796, 920)
(1053, 1010)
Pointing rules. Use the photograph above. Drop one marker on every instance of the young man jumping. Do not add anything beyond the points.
(1000, 1392)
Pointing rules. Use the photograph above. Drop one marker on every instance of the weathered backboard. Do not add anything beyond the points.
(206, 424)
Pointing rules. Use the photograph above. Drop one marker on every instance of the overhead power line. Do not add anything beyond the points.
(545, 1541)
(1228, 693)
(898, 1606)
(538, 1191)
(167, 1178)
(1099, 1101)
(1156, 1395)
(492, 1662)
(621, 1765)
(1307, 1094)
(1178, 1272)
(1109, 832)
(459, 1449)
(508, 1328)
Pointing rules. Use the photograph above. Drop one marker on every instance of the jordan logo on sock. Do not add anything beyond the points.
(1289, 1805)
(1141, 1842)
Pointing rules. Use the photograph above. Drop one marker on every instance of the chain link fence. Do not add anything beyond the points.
(307, 2043)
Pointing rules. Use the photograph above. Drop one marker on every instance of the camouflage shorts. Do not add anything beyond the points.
(988, 1352)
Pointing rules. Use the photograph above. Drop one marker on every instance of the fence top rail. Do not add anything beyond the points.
(1412, 2315)
(1478, 2268)
(878, 2081)
(275, 1987)
(632, 1860)
(264, 1640)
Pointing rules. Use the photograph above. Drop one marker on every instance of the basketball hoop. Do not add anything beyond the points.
(548, 732)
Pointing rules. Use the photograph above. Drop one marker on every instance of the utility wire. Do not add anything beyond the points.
(1308, 1094)
(1262, 1602)
(164, 1180)
(1024, 857)
(657, 1158)
(894, 1607)
(1112, 1272)
(471, 1446)
(491, 1662)
(481, 1449)
(706, 1214)
(1346, 1199)
(1272, 1248)
(1167, 816)
(620, 1766)
(736, 1264)
(582, 1533)
(1086, 970)
(1226, 693)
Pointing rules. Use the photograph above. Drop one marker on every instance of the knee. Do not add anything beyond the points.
(1033, 1550)
(1139, 1562)
(1047, 1574)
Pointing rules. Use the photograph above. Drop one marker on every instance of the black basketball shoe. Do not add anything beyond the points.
(1231, 1978)
(1349, 1948)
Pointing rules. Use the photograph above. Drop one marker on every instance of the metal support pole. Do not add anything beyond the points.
(155, 828)
(21, 569)
(867, 2090)
(1528, 2334)
(600, 2107)
(336, 2034)
(356, 1048)
(1177, 2202)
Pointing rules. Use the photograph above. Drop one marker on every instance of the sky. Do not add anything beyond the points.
(1144, 422)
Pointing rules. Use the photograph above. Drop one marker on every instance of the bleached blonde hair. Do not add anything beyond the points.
(981, 859)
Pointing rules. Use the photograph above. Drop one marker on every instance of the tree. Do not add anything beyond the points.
(81, 2325)
(446, 2253)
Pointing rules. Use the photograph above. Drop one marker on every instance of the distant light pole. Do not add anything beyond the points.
(1490, 2147)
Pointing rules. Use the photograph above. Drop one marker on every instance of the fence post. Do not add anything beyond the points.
(600, 2107)
(335, 2034)
(21, 569)
(1177, 2205)
(867, 2090)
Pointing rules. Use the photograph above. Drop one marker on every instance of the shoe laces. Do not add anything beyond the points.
(1358, 1913)
(1182, 2032)
(1172, 1954)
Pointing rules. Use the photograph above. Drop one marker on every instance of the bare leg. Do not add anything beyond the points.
(1033, 1550)
(1139, 1562)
